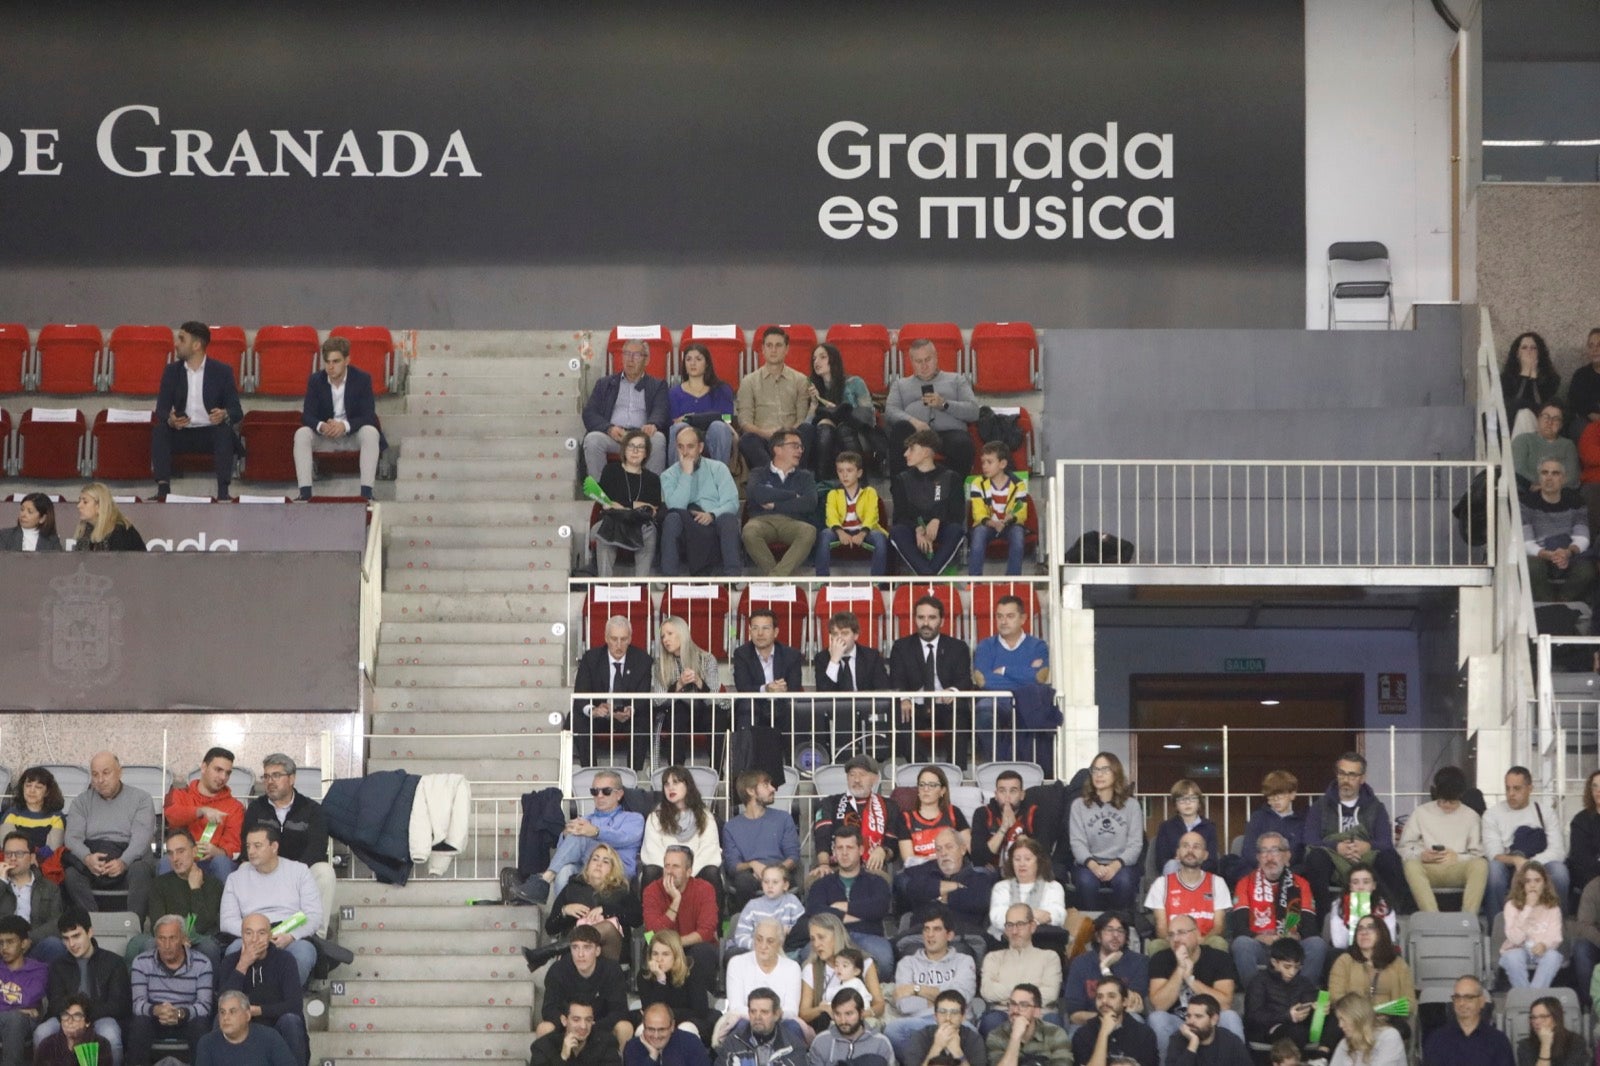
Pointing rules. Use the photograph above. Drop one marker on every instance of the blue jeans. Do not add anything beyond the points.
(980, 537)
(718, 437)
(1123, 888)
(727, 530)
(824, 553)
(1584, 957)
(303, 951)
(1499, 886)
(571, 854)
(879, 948)
(1517, 962)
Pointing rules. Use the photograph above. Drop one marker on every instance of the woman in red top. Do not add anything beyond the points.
(933, 812)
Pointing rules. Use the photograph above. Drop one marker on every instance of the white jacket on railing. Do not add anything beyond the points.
(440, 814)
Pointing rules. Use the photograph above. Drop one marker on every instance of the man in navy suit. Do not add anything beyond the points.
(339, 415)
(930, 660)
(761, 664)
(612, 732)
(627, 400)
(197, 410)
(846, 665)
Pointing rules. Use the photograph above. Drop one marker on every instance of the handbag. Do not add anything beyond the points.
(1530, 840)
(621, 529)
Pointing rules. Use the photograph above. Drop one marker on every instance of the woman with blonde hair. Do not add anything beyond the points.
(601, 897)
(682, 667)
(101, 527)
(818, 982)
(1368, 1039)
(668, 977)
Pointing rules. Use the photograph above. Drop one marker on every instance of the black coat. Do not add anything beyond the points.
(866, 665)
(748, 676)
(952, 663)
(594, 676)
(112, 988)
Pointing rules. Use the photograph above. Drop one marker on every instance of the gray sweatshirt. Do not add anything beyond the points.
(129, 817)
(955, 970)
(1105, 832)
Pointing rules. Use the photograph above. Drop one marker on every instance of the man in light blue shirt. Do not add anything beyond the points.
(702, 511)
(608, 823)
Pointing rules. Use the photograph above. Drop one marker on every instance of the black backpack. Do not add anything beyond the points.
(1007, 429)
(1472, 511)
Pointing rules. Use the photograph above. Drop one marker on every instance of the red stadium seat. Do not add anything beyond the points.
(607, 601)
(1005, 357)
(269, 444)
(372, 349)
(1021, 457)
(865, 349)
(285, 357)
(788, 602)
(729, 354)
(985, 596)
(946, 338)
(16, 357)
(7, 446)
(863, 601)
(120, 450)
(49, 449)
(705, 608)
(228, 346)
(67, 360)
(904, 603)
(659, 340)
(135, 357)
(802, 342)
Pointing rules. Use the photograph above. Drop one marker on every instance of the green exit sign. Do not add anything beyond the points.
(1244, 666)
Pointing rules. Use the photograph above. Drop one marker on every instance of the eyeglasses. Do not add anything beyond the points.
(1542, 1016)
(276, 775)
(1020, 925)
(74, 1016)
(1099, 769)
(928, 784)
(604, 791)
(1471, 998)
(18, 854)
(1349, 775)
(1267, 850)
(949, 1012)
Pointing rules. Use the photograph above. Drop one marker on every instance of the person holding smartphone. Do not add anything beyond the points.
(1442, 845)
(931, 399)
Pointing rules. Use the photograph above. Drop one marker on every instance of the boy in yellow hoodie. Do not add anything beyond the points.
(851, 518)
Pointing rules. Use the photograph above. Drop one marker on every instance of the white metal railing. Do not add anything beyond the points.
(1565, 713)
(372, 591)
(1271, 513)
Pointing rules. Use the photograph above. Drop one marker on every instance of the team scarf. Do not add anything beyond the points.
(873, 821)
(1284, 898)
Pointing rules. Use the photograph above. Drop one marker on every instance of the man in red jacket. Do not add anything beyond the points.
(687, 905)
(206, 804)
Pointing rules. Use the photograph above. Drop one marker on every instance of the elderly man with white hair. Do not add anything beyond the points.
(765, 966)
(605, 729)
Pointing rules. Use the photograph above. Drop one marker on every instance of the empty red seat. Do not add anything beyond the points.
(6, 444)
(269, 444)
(802, 342)
(787, 602)
(705, 608)
(67, 360)
(372, 349)
(605, 602)
(16, 357)
(865, 350)
(52, 444)
(119, 447)
(286, 356)
(946, 338)
(728, 348)
(904, 601)
(135, 357)
(228, 346)
(1005, 357)
(657, 337)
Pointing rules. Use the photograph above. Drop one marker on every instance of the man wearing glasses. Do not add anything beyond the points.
(1468, 1038)
(781, 499)
(949, 1041)
(27, 894)
(1349, 826)
(1025, 1036)
(629, 399)
(1110, 958)
(1270, 904)
(302, 826)
(608, 823)
(1019, 964)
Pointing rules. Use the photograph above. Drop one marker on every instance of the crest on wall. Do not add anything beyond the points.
(80, 631)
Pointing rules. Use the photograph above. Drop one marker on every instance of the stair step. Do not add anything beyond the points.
(524, 634)
(411, 969)
(457, 348)
(374, 1048)
(439, 993)
(545, 556)
(463, 918)
(401, 605)
(544, 579)
(512, 751)
(534, 705)
(534, 487)
(365, 1020)
(398, 725)
(523, 512)
(506, 943)
(447, 536)
(478, 467)
(415, 893)
(491, 778)
(513, 444)
(426, 427)
(551, 675)
(463, 654)
(513, 402)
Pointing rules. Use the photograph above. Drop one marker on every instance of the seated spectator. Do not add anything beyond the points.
(1372, 968)
(608, 824)
(1189, 890)
(1529, 380)
(601, 899)
(1205, 1039)
(848, 1040)
(206, 807)
(997, 824)
(339, 415)
(1583, 391)
(172, 992)
(848, 966)
(920, 978)
(1106, 826)
(268, 977)
(628, 520)
(668, 981)
(237, 1042)
(102, 527)
(1015, 666)
(110, 828)
(72, 1029)
(37, 809)
(852, 518)
(998, 504)
(1583, 851)
(843, 414)
(771, 398)
(278, 888)
(952, 882)
(1018, 963)
(1468, 1038)
(934, 812)
(302, 825)
(847, 665)
(1548, 1040)
(661, 1041)
(1515, 832)
(197, 412)
(690, 673)
(877, 818)
(1555, 532)
(929, 513)
(847, 894)
(1113, 1029)
(776, 901)
(682, 818)
(1348, 826)
(758, 838)
(23, 983)
(764, 664)
(93, 971)
(1280, 788)
(574, 1043)
(700, 534)
(1270, 904)
(582, 978)
(1443, 845)
(764, 968)
(35, 530)
(604, 732)
(686, 905)
(1029, 880)
(1278, 1003)
(1025, 1037)
(761, 1033)
(1188, 801)
(781, 501)
(1180, 974)
(1528, 450)
(701, 403)
(1586, 940)
(930, 400)
(819, 984)
(187, 889)
(1533, 930)
(27, 894)
(950, 1041)
(1368, 1038)
(1109, 958)
(629, 399)
(1363, 897)
(929, 660)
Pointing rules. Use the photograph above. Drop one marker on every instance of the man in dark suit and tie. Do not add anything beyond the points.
(761, 664)
(611, 732)
(339, 415)
(929, 661)
(197, 411)
(847, 665)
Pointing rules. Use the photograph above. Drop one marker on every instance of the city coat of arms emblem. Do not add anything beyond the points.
(80, 639)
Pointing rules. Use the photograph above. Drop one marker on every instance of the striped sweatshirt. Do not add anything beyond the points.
(189, 986)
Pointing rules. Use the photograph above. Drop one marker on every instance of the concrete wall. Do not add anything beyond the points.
(1539, 264)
